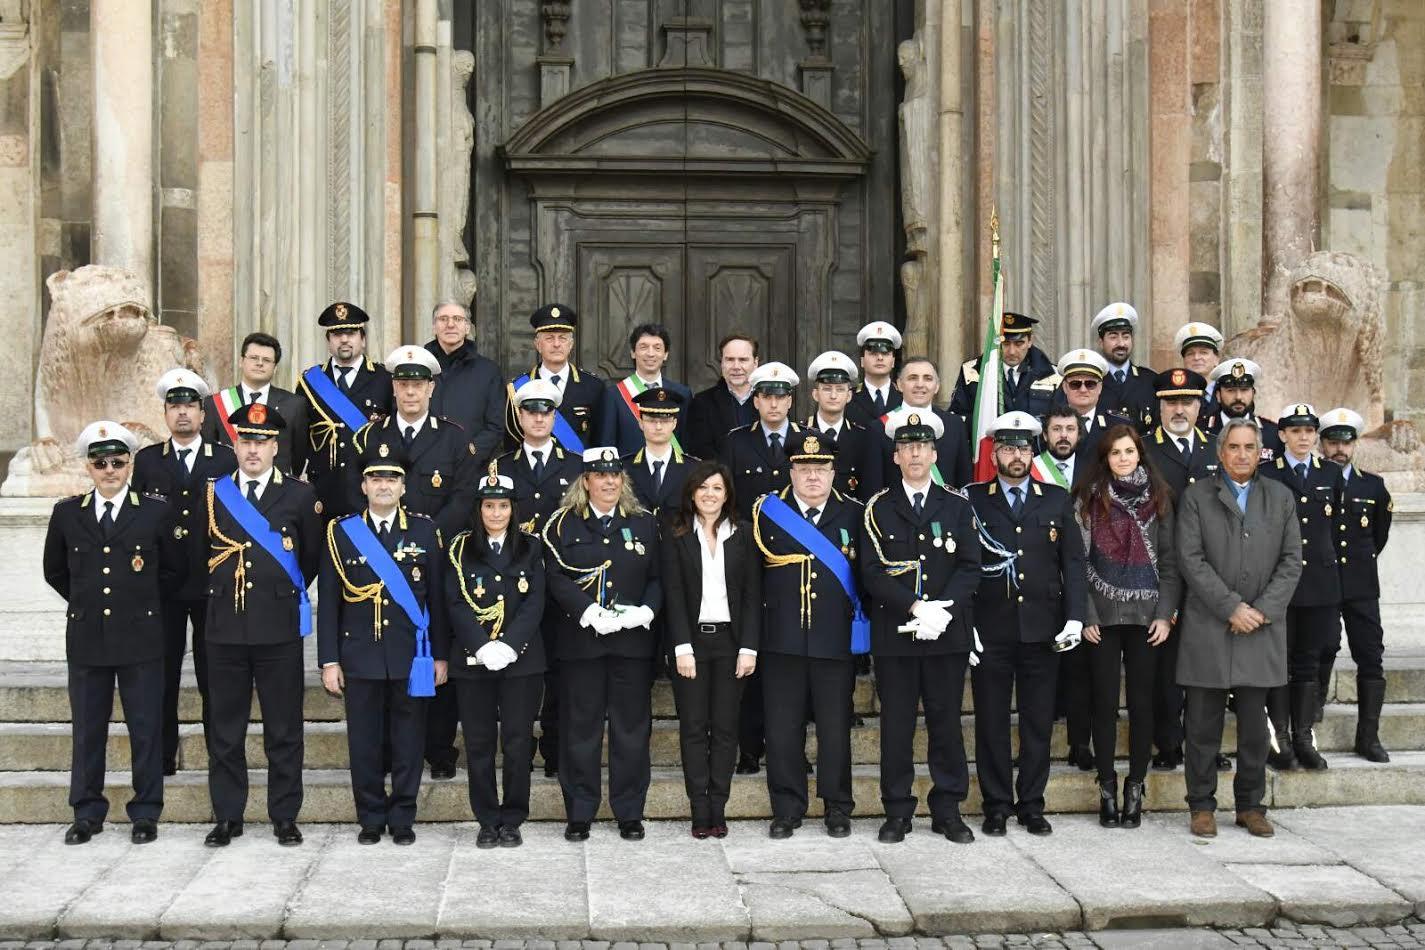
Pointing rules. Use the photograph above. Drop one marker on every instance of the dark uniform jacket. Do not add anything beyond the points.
(157, 471)
(1272, 446)
(937, 556)
(858, 458)
(329, 439)
(576, 546)
(670, 492)
(618, 427)
(1179, 472)
(826, 632)
(1088, 441)
(477, 579)
(441, 473)
(1033, 391)
(713, 413)
(1318, 507)
(1136, 397)
(537, 500)
(952, 449)
(291, 442)
(863, 410)
(742, 566)
(583, 398)
(754, 472)
(374, 638)
(471, 393)
(264, 610)
(1365, 527)
(113, 583)
(1047, 584)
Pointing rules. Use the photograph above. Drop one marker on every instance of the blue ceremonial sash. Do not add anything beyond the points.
(563, 431)
(333, 398)
(804, 533)
(252, 521)
(421, 681)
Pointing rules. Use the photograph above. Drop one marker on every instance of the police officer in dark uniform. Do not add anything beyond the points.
(858, 451)
(581, 391)
(258, 613)
(603, 575)
(1200, 346)
(920, 384)
(1364, 530)
(1313, 619)
(384, 662)
(805, 649)
(1127, 387)
(877, 394)
(178, 470)
(757, 453)
(342, 395)
(109, 553)
(659, 468)
(920, 559)
(1236, 397)
(1030, 605)
(1029, 377)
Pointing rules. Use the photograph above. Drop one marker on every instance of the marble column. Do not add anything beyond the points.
(1241, 165)
(1291, 87)
(953, 331)
(121, 35)
(19, 192)
(425, 241)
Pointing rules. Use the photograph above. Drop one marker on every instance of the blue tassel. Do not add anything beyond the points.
(421, 681)
(860, 634)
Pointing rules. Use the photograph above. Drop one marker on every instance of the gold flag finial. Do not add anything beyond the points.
(994, 232)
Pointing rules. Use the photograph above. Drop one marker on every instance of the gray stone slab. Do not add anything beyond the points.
(985, 886)
(749, 849)
(1335, 895)
(382, 890)
(537, 889)
(1232, 847)
(798, 905)
(131, 898)
(244, 889)
(1162, 940)
(1382, 841)
(664, 888)
(1146, 877)
(43, 884)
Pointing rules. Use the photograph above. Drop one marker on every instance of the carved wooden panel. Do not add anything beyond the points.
(744, 288)
(621, 287)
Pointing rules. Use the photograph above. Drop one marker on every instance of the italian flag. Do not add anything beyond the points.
(989, 399)
(227, 402)
(631, 387)
(1043, 469)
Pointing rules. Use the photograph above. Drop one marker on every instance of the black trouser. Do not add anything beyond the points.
(1122, 648)
(1308, 631)
(938, 682)
(707, 734)
(621, 689)
(91, 703)
(1364, 636)
(794, 686)
(1029, 672)
(752, 719)
(442, 716)
(499, 710)
(1167, 697)
(374, 710)
(176, 616)
(1075, 692)
(549, 710)
(1202, 732)
(275, 670)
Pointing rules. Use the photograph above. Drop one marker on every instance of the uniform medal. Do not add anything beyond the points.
(435, 479)
(287, 544)
(935, 529)
(479, 587)
(1365, 522)
(1053, 534)
(1328, 509)
(137, 562)
(416, 573)
(627, 539)
(523, 586)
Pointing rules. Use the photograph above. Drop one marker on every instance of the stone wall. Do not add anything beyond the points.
(18, 159)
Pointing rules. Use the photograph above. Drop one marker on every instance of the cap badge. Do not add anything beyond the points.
(1193, 329)
(554, 312)
(812, 446)
(914, 419)
(608, 455)
(257, 413)
(1118, 310)
(1179, 377)
(383, 450)
(103, 432)
(492, 480)
(1238, 370)
(340, 311)
(662, 395)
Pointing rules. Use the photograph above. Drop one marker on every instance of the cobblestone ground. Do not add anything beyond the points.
(1283, 936)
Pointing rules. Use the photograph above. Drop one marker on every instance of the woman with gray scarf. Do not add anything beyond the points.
(1125, 511)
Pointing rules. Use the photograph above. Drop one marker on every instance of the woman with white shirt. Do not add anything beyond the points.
(714, 581)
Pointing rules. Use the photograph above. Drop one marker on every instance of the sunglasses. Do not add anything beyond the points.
(1081, 383)
(113, 461)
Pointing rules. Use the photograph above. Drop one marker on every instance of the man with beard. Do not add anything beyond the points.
(727, 403)
(1127, 387)
(257, 364)
(858, 456)
(469, 389)
(1029, 377)
(649, 344)
(1367, 509)
(919, 385)
(877, 394)
(1236, 397)
(1200, 345)
(581, 392)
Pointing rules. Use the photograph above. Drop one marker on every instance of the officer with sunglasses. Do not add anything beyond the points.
(1082, 373)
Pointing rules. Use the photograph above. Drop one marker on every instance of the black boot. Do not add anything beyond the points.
(1132, 804)
(1279, 714)
(1323, 678)
(1370, 696)
(1108, 803)
(1303, 709)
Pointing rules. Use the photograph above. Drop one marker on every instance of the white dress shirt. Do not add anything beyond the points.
(666, 458)
(547, 374)
(911, 490)
(546, 452)
(245, 392)
(832, 429)
(1068, 466)
(885, 392)
(262, 481)
(714, 607)
(402, 425)
(118, 501)
(192, 448)
(337, 370)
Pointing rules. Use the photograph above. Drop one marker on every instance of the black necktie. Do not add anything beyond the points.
(607, 521)
(538, 465)
(832, 433)
(1120, 376)
(1301, 473)
(879, 402)
(408, 436)
(252, 490)
(1186, 447)
(1016, 500)
(252, 396)
(1087, 421)
(657, 475)
(918, 503)
(813, 514)
(383, 531)
(107, 521)
(555, 380)
(774, 446)
(183, 462)
(341, 382)
(1009, 378)
(495, 546)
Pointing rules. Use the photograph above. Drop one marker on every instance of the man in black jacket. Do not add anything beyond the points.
(649, 344)
(658, 467)
(110, 553)
(1127, 387)
(858, 449)
(1029, 377)
(258, 360)
(178, 470)
(581, 392)
(1236, 398)
(877, 394)
(920, 385)
(469, 389)
(727, 403)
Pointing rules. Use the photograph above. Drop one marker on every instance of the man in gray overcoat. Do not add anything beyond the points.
(1239, 551)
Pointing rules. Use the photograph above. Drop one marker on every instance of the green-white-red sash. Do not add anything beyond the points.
(1044, 470)
(227, 401)
(631, 387)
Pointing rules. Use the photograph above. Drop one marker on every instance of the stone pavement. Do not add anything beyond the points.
(1327, 868)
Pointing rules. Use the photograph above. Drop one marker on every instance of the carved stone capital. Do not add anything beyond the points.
(555, 15)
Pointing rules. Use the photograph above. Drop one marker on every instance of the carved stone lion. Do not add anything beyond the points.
(101, 356)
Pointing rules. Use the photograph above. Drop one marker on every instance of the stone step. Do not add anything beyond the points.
(46, 746)
(42, 797)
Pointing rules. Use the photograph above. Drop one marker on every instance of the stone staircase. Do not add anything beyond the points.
(34, 757)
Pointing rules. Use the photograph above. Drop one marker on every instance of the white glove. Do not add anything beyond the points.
(932, 614)
(603, 620)
(496, 655)
(639, 616)
(977, 649)
(923, 630)
(1070, 636)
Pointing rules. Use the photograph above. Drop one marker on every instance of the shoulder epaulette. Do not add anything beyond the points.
(971, 370)
(1051, 381)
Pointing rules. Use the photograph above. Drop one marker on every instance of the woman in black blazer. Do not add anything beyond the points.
(713, 624)
(495, 598)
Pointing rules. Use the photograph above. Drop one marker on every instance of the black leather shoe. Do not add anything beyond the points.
(748, 765)
(489, 836)
(953, 827)
(369, 834)
(1163, 762)
(894, 830)
(287, 834)
(1036, 824)
(994, 826)
(630, 830)
(223, 833)
(404, 835)
(576, 831)
(1082, 756)
(551, 770)
(82, 830)
(510, 837)
(1224, 763)
(143, 831)
(838, 825)
(782, 828)
(439, 772)
(169, 770)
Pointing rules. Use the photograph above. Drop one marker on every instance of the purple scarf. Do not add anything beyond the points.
(1122, 564)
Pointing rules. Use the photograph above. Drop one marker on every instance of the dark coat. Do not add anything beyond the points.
(330, 440)
(113, 583)
(580, 407)
(861, 409)
(1367, 511)
(1179, 472)
(858, 458)
(538, 500)
(1135, 398)
(670, 493)
(1033, 392)
(684, 582)
(441, 473)
(942, 548)
(471, 393)
(1048, 585)
(1319, 508)
(292, 442)
(476, 577)
(619, 428)
(754, 473)
(348, 633)
(1227, 559)
(157, 471)
(952, 449)
(713, 413)
(269, 602)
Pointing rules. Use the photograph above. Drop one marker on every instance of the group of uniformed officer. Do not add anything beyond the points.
(487, 554)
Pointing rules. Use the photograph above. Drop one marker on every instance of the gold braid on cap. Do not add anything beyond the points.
(784, 560)
(493, 616)
(873, 531)
(586, 577)
(352, 593)
(225, 550)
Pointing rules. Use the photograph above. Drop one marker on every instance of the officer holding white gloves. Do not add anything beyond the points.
(604, 580)
(1029, 607)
